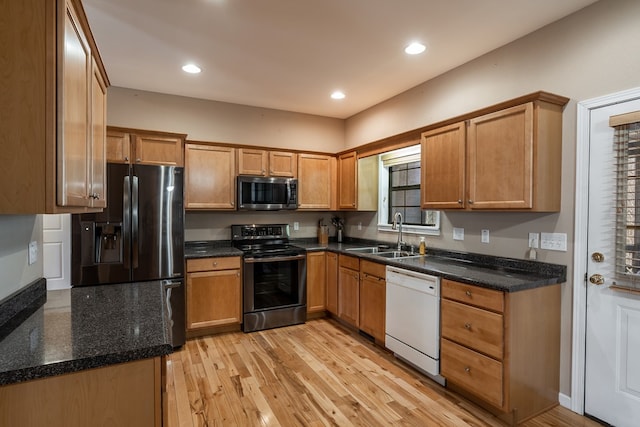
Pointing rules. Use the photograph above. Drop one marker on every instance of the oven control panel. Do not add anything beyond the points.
(259, 231)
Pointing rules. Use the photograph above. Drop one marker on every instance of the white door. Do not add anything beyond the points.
(612, 356)
(56, 253)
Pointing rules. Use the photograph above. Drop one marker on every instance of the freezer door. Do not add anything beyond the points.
(157, 222)
(101, 244)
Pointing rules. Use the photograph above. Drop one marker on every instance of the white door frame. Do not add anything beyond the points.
(580, 245)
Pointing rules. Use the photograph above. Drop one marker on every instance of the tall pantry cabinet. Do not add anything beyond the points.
(53, 89)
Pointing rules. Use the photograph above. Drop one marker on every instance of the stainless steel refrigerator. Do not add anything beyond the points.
(139, 237)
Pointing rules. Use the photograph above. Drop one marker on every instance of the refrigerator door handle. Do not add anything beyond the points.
(134, 220)
(126, 209)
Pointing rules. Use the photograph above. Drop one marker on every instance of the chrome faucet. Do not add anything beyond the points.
(397, 225)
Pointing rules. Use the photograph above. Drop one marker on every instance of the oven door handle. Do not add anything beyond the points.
(252, 260)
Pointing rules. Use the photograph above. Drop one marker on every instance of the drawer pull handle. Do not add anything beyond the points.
(215, 263)
(467, 369)
(467, 326)
(468, 293)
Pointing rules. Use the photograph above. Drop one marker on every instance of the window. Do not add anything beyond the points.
(627, 138)
(399, 191)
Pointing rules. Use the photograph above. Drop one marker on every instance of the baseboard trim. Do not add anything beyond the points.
(564, 400)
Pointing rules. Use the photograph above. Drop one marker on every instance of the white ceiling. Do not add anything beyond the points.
(291, 54)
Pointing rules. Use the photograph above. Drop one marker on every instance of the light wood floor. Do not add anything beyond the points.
(316, 374)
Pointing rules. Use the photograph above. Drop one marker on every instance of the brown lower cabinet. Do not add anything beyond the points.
(373, 298)
(502, 349)
(349, 289)
(214, 293)
(316, 282)
(332, 282)
(125, 394)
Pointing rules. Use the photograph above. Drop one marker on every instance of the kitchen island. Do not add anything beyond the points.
(87, 356)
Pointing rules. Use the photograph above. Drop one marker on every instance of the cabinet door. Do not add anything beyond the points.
(443, 167)
(316, 282)
(209, 177)
(214, 298)
(98, 139)
(118, 147)
(349, 296)
(73, 149)
(347, 182)
(372, 305)
(500, 159)
(316, 181)
(283, 164)
(332, 282)
(158, 150)
(252, 162)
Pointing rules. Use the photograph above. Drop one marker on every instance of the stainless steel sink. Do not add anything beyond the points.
(368, 250)
(397, 254)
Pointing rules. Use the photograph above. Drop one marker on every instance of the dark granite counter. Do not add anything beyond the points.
(499, 273)
(210, 248)
(87, 327)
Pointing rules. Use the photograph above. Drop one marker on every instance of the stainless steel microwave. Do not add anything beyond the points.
(266, 193)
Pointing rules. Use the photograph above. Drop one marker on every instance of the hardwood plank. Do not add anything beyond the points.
(317, 374)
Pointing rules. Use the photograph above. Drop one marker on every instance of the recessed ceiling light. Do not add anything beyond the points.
(338, 95)
(415, 48)
(191, 69)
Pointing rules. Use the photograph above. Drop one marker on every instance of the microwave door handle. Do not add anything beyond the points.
(288, 194)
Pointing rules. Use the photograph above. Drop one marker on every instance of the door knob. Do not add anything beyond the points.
(597, 279)
(597, 257)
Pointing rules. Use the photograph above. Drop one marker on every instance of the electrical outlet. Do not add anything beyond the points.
(296, 226)
(360, 226)
(458, 233)
(33, 252)
(534, 239)
(553, 241)
(484, 237)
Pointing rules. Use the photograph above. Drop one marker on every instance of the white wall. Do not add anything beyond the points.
(223, 122)
(16, 231)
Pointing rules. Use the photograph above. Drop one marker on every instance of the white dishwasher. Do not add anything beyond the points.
(413, 319)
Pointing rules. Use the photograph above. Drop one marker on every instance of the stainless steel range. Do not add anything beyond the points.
(274, 280)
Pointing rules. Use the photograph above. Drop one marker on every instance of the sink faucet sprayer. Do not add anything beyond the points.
(397, 225)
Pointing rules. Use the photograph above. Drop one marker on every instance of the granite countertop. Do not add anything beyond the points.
(499, 273)
(87, 327)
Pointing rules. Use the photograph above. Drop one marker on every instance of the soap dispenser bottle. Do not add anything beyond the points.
(423, 246)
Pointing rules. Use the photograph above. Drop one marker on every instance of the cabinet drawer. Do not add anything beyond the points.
(350, 262)
(373, 269)
(473, 327)
(478, 374)
(208, 264)
(474, 295)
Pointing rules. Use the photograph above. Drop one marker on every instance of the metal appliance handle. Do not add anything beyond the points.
(288, 202)
(134, 219)
(274, 258)
(170, 284)
(126, 210)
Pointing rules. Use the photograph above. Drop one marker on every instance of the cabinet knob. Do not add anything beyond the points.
(470, 201)
(138, 160)
(467, 326)
(468, 293)
(467, 369)
(459, 201)
(126, 158)
(215, 263)
(233, 203)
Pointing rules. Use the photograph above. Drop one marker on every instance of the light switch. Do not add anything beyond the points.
(296, 226)
(484, 237)
(33, 252)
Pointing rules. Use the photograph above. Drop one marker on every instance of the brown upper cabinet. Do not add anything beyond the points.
(509, 159)
(53, 107)
(316, 181)
(267, 163)
(210, 177)
(347, 180)
(143, 147)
